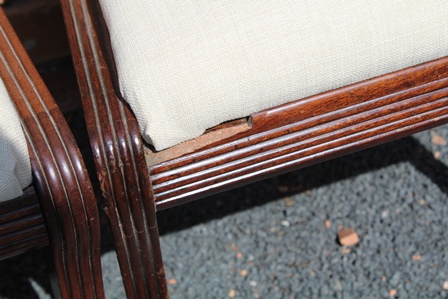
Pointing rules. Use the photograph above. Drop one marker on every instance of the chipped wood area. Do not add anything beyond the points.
(208, 139)
(302, 133)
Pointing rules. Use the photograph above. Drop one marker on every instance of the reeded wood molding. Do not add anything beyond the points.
(22, 226)
(60, 177)
(305, 132)
(274, 141)
(119, 158)
(40, 27)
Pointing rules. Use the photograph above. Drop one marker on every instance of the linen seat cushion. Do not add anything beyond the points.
(185, 66)
(15, 168)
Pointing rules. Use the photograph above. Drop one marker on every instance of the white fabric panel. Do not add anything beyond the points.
(15, 169)
(185, 65)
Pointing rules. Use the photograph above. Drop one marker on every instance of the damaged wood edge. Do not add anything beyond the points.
(409, 82)
(208, 139)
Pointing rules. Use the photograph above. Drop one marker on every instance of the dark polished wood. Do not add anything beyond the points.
(22, 226)
(119, 157)
(40, 27)
(59, 175)
(303, 133)
(284, 138)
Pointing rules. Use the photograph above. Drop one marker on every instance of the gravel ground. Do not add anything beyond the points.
(277, 238)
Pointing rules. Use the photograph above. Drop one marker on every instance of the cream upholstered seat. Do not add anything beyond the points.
(15, 169)
(185, 66)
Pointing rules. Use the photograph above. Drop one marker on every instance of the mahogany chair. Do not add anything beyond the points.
(137, 180)
(59, 209)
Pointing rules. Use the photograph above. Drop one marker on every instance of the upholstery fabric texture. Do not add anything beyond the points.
(15, 168)
(188, 65)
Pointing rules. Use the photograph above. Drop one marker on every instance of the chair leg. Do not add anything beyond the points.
(60, 178)
(74, 234)
(134, 226)
(119, 158)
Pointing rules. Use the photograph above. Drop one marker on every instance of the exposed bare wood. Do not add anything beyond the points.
(270, 142)
(216, 135)
(307, 131)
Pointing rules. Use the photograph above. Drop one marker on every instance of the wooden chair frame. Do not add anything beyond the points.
(60, 209)
(137, 181)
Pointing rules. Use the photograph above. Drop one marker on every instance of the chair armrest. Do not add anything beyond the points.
(59, 175)
(119, 156)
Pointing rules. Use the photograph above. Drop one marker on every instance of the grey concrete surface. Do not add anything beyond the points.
(271, 239)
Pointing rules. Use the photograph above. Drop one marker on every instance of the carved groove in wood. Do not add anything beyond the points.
(270, 142)
(119, 159)
(22, 226)
(59, 175)
(308, 131)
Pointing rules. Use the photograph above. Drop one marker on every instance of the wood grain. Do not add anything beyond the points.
(40, 27)
(119, 157)
(305, 132)
(22, 226)
(59, 175)
(268, 143)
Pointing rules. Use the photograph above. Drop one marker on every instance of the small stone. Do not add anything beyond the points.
(416, 257)
(239, 255)
(232, 293)
(345, 250)
(438, 140)
(327, 223)
(243, 273)
(234, 247)
(172, 281)
(337, 286)
(253, 283)
(395, 279)
(285, 223)
(445, 285)
(437, 155)
(348, 236)
(392, 292)
(383, 278)
(288, 202)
